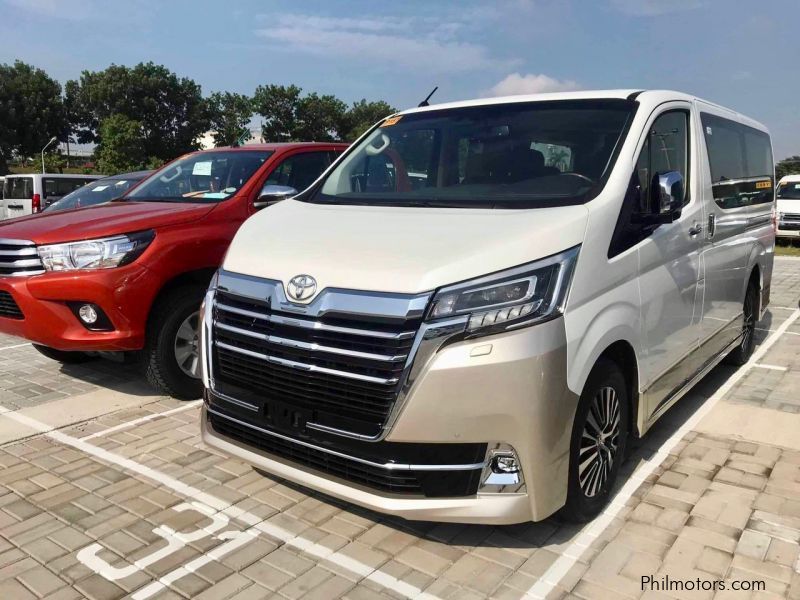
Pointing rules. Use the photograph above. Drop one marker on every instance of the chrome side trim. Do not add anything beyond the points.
(305, 366)
(363, 461)
(289, 343)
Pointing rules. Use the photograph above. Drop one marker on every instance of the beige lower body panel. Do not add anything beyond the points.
(509, 388)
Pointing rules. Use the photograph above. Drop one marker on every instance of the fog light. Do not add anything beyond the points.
(88, 314)
(504, 463)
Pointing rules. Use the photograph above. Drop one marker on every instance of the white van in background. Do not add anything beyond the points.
(479, 341)
(788, 194)
(31, 193)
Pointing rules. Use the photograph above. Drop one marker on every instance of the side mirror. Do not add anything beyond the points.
(670, 194)
(272, 194)
(666, 199)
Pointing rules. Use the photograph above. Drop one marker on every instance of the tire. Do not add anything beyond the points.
(742, 353)
(593, 467)
(67, 357)
(160, 356)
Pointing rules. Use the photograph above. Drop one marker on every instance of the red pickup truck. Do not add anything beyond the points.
(130, 275)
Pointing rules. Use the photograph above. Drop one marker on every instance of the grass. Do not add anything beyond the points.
(787, 249)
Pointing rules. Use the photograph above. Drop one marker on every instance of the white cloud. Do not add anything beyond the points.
(424, 44)
(653, 8)
(531, 83)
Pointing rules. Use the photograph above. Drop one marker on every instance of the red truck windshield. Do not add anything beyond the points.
(205, 177)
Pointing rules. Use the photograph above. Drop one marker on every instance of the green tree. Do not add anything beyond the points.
(230, 116)
(289, 116)
(787, 166)
(31, 111)
(361, 116)
(170, 111)
(122, 145)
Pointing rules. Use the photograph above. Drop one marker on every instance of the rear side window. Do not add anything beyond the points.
(740, 159)
(58, 187)
(18, 188)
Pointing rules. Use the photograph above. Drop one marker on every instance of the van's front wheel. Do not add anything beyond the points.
(599, 435)
(171, 357)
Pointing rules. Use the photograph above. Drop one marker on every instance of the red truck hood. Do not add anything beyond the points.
(100, 221)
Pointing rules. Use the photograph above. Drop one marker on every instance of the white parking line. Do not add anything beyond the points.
(594, 529)
(144, 419)
(256, 523)
(12, 347)
(772, 367)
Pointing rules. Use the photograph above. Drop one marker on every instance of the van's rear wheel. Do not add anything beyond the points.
(742, 353)
(171, 356)
(599, 435)
(68, 357)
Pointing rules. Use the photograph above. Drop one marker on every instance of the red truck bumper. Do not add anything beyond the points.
(124, 294)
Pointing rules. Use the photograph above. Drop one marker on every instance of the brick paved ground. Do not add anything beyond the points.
(95, 517)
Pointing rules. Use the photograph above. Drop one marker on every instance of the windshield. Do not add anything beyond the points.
(97, 192)
(789, 191)
(202, 177)
(521, 155)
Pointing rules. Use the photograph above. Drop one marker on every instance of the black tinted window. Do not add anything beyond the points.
(300, 170)
(18, 188)
(740, 159)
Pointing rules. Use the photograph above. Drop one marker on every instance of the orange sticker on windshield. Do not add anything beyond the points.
(760, 185)
(391, 121)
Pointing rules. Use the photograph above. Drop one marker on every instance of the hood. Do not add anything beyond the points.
(788, 205)
(397, 249)
(100, 221)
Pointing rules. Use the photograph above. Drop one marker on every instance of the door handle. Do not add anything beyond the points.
(695, 229)
(712, 225)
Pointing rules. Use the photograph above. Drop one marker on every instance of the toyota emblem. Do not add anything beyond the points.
(301, 287)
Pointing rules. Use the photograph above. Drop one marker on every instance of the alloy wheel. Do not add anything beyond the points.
(599, 442)
(187, 346)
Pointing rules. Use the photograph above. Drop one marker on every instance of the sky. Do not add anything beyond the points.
(739, 53)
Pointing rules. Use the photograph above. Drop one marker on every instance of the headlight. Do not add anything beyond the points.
(509, 299)
(104, 253)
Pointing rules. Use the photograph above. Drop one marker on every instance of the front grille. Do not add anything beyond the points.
(19, 257)
(8, 306)
(339, 372)
(431, 484)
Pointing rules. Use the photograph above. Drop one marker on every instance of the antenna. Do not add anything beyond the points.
(425, 102)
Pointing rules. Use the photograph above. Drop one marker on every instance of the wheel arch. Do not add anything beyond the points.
(194, 277)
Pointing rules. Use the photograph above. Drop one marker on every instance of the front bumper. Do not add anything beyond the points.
(124, 294)
(508, 388)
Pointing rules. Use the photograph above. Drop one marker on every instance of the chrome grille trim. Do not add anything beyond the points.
(305, 366)
(387, 466)
(312, 347)
(19, 258)
(316, 325)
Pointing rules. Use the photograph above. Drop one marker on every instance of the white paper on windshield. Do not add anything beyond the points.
(215, 195)
(100, 188)
(202, 168)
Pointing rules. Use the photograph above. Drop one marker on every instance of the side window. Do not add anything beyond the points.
(299, 170)
(740, 160)
(666, 149)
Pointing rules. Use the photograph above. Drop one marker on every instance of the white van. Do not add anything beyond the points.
(480, 345)
(31, 193)
(788, 194)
